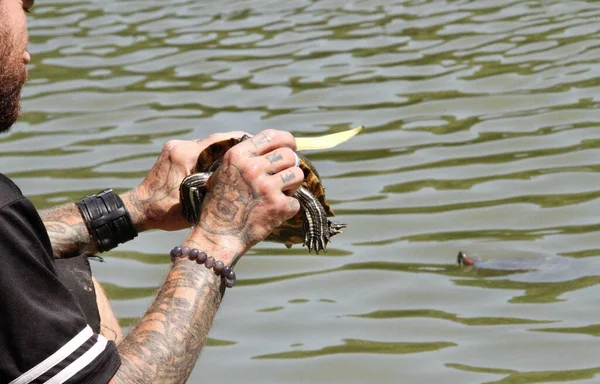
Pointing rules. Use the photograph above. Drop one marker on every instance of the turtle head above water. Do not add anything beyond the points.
(465, 260)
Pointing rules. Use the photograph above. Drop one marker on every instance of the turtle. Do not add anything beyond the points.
(309, 226)
(516, 264)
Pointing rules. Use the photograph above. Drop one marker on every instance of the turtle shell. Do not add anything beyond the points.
(291, 231)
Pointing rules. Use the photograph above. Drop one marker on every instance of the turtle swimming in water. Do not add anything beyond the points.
(309, 226)
(548, 263)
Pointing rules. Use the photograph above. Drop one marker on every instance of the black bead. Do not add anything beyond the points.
(201, 258)
(193, 254)
(210, 262)
(230, 279)
(176, 252)
(185, 251)
(218, 268)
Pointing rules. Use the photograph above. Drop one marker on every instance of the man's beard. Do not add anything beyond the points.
(12, 77)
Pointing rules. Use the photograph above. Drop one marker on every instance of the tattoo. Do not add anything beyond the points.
(159, 190)
(166, 343)
(274, 157)
(260, 139)
(229, 203)
(289, 176)
(68, 234)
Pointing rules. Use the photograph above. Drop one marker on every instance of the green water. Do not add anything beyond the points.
(482, 135)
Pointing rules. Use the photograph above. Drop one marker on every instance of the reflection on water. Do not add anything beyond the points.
(511, 376)
(361, 346)
(383, 314)
(482, 135)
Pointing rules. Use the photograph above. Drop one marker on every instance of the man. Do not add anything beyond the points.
(44, 334)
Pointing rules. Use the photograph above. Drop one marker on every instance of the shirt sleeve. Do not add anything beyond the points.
(44, 336)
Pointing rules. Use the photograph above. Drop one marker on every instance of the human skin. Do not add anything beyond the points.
(167, 342)
(13, 58)
(109, 324)
(248, 198)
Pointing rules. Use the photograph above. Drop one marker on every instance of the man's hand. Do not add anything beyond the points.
(247, 197)
(154, 204)
(249, 194)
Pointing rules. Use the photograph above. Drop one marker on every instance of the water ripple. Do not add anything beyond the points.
(482, 135)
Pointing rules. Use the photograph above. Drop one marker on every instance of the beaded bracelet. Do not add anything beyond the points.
(201, 257)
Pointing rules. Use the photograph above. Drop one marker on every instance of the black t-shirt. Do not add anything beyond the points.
(44, 336)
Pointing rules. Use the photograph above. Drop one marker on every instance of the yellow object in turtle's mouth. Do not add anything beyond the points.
(326, 141)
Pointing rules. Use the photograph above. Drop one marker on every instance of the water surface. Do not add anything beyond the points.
(482, 135)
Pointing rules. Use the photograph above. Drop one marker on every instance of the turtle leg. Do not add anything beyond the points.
(191, 194)
(315, 223)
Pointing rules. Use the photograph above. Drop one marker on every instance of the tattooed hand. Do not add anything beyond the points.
(248, 195)
(154, 204)
(246, 202)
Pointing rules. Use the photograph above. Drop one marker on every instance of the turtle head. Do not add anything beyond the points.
(465, 260)
(335, 227)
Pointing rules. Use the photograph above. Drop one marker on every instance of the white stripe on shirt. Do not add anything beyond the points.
(80, 363)
(55, 358)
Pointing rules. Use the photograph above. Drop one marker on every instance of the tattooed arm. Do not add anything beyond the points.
(165, 345)
(68, 234)
(154, 204)
(246, 201)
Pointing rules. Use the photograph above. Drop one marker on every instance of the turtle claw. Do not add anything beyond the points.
(319, 243)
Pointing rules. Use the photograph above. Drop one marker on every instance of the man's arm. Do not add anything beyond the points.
(245, 203)
(166, 343)
(69, 235)
(153, 204)
(67, 231)
(248, 198)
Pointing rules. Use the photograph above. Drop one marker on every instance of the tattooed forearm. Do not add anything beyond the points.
(165, 345)
(137, 206)
(68, 234)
